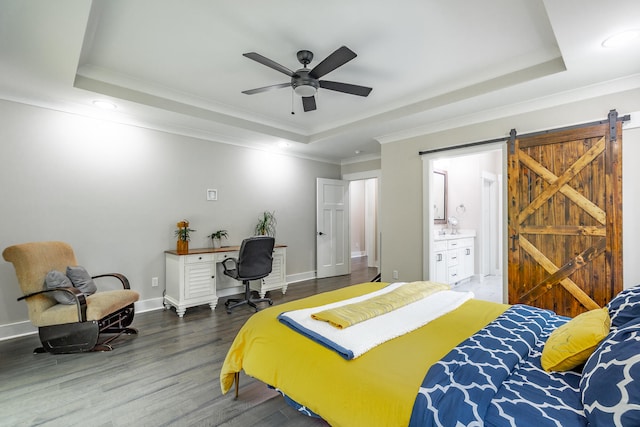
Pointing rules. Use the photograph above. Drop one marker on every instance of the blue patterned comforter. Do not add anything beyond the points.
(494, 378)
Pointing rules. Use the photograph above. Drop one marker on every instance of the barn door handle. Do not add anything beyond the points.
(513, 242)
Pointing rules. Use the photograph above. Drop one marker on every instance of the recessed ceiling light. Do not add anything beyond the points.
(621, 39)
(358, 151)
(106, 105)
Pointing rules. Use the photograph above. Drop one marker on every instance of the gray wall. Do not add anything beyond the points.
(115, 193)
(401, 211)
(363, 166)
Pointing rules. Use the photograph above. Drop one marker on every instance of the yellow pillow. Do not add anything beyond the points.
(572, 343)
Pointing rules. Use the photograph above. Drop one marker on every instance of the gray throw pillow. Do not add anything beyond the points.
(82, 280)
(56, 279)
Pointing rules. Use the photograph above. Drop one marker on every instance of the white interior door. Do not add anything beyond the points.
(332, 228)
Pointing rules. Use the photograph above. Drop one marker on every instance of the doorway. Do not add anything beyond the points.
(364, 190)
(474, 211)
(335, 241)
(363, 219)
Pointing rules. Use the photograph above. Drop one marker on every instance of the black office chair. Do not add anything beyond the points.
(254, 262)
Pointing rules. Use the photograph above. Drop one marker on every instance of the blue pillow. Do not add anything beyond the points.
(624, 307)
(610, 383)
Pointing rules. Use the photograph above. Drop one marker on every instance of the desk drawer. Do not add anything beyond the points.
(222, 256)
(192, 259)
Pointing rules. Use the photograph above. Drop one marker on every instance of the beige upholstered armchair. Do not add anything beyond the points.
(77, 325)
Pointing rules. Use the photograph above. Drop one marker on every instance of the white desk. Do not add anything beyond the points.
(191, 278)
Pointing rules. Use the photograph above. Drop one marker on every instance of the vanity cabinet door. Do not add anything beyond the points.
(467, 261)
(441, 267)
(439, 263)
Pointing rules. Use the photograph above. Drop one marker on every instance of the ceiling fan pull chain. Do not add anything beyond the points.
(292, 112)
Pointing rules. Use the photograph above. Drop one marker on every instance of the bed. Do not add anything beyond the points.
(479, 363)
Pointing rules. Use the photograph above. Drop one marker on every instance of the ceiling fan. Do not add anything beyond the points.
(305, 82)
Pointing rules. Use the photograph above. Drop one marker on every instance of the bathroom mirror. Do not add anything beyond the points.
(439, 196)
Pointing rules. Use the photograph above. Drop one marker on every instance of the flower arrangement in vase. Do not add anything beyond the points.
(183, 233)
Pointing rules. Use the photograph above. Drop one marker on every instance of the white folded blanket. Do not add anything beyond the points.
(356, 340)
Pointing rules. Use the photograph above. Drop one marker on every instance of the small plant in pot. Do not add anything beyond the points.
(183, 233)
(266, 225)
(216, 238)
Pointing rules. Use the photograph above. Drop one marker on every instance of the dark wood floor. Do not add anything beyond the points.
(168, 375)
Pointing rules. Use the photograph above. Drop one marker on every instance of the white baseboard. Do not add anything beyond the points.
(300, 277)
(358, 254)
(18, 329)
(15, 330)
(149, 305)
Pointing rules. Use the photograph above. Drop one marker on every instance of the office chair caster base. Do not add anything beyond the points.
(232, 303)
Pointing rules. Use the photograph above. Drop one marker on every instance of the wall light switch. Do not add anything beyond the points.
(212, 194)
(154, 282)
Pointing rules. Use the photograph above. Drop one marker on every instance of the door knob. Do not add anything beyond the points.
(320, 233)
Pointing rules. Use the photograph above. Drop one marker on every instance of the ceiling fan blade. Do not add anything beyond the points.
(265, 88)
(333, 61)
(269, 63)
(308, 103)
(346, 88)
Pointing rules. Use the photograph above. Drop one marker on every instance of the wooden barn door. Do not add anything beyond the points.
(565, 218)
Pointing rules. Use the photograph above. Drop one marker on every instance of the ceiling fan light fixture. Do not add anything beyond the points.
(305, 90)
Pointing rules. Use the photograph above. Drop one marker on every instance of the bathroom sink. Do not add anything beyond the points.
(460, 234)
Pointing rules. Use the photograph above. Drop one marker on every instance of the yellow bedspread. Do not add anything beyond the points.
(350, 314)
(378, 388)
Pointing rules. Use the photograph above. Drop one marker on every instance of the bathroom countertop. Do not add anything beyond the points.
(460, 234)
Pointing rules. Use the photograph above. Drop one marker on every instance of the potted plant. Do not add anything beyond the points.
(266, 225)
(216, 237)
(183, 233)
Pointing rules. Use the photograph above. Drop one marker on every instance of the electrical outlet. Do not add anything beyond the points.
(154, 282)
(395, 274)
